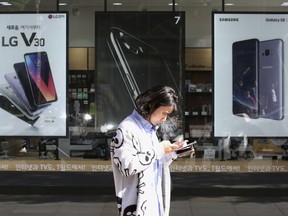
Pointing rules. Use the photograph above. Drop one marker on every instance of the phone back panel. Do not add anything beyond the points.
(271, 79)
(7, 91)
(140, 64)
(9, 107)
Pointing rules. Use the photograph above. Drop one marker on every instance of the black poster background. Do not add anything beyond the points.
(162, 30)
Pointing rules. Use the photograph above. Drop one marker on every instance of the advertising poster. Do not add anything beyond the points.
(33, 71)
(136, 51)
(250, 74)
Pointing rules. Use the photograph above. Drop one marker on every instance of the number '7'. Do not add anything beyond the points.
(177, 19)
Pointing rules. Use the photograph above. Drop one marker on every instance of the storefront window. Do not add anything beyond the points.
(107, 41)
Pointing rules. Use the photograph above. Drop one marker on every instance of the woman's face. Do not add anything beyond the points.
(160, 115)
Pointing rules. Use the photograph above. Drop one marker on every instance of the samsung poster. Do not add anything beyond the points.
(135, 51)
(250, 74)
(33, 74)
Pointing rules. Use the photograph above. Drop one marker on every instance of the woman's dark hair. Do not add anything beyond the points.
(150, 100)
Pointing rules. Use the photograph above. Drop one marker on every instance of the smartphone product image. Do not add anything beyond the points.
(271, 72)
(7, 91)
(9, 107)
(141, 65)
(22, 75)
(40, 78)
(245, 62)
(14, 82)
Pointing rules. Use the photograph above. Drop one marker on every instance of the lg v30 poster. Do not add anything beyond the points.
(135, 51)
(250, 74)
(33, 75)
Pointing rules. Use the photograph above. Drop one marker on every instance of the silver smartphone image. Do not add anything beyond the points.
(271, 85)
(141, 65)
(13, 80)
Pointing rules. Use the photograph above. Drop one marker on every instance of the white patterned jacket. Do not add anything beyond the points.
(140, 169)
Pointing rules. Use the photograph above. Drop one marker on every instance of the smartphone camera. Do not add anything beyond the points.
(134, 48)
(267, 52)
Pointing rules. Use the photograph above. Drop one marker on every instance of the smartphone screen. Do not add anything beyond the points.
(40, 78)
(140, 65)
(245, 78)
(22, 75)
(271, 79)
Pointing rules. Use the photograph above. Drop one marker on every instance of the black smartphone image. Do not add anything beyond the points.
(245, 64)
(9, 107)
(271, 72)
(22, 75)
(40, 78)
(7, 91)
(14, 82)
(141, 65)
(186, 148)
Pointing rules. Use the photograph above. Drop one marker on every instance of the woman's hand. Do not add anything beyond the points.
(168, 146)
(181, 143)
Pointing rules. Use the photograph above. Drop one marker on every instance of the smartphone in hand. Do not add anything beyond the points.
(186, 148)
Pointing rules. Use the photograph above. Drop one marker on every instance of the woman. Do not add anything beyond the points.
(140, 162)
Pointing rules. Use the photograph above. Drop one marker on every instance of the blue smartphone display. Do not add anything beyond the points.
(245, 77)
(258, 78)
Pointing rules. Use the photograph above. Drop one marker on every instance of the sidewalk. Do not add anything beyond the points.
(104, 205)
(188, 184)
(193, 194)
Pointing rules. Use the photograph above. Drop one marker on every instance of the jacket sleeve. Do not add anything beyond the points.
(132, 151)
(169, 158)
